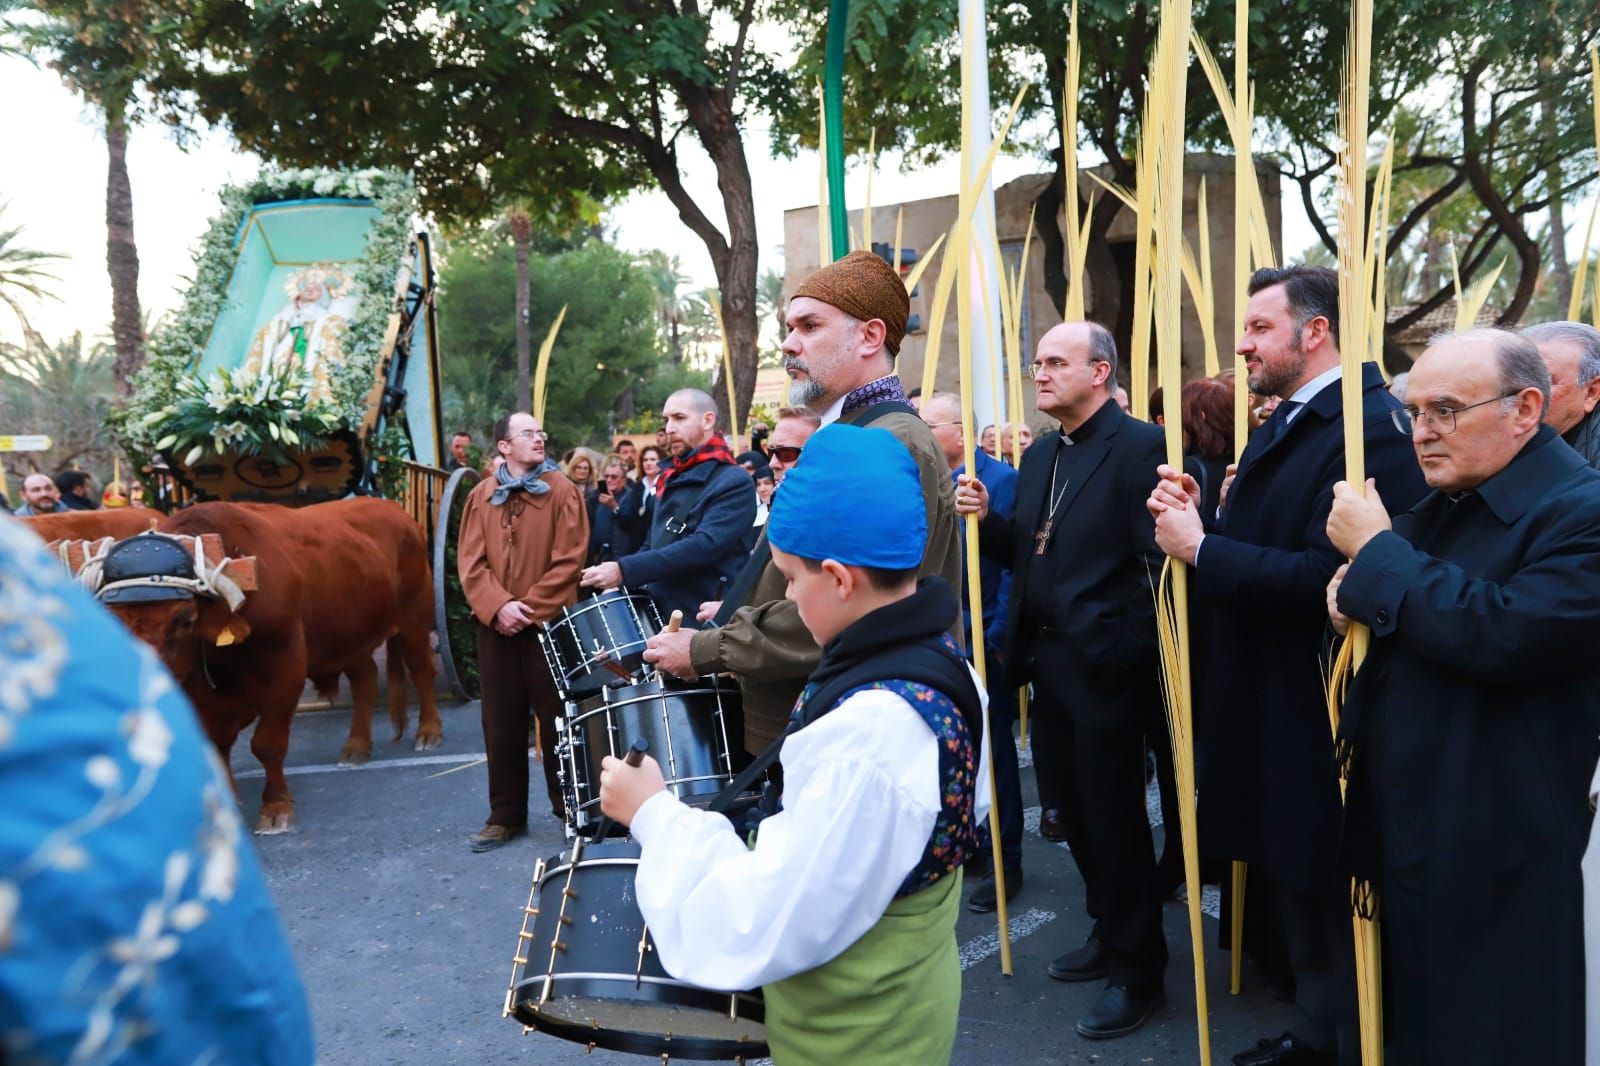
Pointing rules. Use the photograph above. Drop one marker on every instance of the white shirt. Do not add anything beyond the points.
(861, 793)
(1302, 396)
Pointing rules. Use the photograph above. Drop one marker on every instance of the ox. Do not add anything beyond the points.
(334, 581)
(115, 522)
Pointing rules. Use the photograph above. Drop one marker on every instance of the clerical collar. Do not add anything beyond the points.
(1094, 425)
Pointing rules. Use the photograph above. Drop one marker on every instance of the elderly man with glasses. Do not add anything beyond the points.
(1471, 730)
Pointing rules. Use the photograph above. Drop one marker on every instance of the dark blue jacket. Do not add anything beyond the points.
(1473, 728)
(616, 534)
(1265, 746)
(995, 577)
(701, 532)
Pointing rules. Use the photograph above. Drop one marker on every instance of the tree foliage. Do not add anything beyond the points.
(484, 100)
(63, 390)
(608, 343)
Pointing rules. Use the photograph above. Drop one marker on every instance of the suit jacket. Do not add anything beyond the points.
(1264, 745)
(1101, 647)
(1473, 729)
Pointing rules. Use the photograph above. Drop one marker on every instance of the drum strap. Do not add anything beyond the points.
(923, 664)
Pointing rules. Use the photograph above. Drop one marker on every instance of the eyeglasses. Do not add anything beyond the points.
(783, 452)
(936, 425)
(530, 434)
(1439, 417)
(1054, 364)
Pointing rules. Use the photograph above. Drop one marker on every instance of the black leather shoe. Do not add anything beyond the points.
(1087, 963)
(983, 897)
(1050, 826)
(1118, 1012)
(1286, 1050)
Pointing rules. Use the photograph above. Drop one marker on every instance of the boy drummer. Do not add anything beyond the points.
(844, 910)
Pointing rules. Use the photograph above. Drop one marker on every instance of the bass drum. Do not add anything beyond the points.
(585, 969)
(453, 621)
(686, 725)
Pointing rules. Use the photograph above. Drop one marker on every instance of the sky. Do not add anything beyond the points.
(55, 190)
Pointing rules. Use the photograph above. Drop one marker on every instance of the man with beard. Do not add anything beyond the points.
(845, 325)
(704, 520)
(758, 635)
(1260, 579)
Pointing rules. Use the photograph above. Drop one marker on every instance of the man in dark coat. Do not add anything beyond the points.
(1265, 748)
(1082, 629)
(616, 526)
(704, 521)
(1472, 727)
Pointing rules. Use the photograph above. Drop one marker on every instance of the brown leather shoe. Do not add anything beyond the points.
(1050, 826)
(493, 836)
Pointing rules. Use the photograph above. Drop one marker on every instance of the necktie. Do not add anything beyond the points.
(1280, 419)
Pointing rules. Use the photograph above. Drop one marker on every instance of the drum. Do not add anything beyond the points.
(585, 969)
(685, 723)
(615, 624)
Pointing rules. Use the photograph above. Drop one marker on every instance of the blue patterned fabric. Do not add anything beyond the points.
(955, 831)
(881, 391)
(135, 925)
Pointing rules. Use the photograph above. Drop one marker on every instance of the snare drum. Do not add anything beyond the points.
(685, 723)
(585, 968)
(616, 623)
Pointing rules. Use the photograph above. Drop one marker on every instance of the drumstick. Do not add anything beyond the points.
(672, 627)
(636, 753)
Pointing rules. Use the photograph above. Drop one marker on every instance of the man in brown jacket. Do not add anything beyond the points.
(523, 537)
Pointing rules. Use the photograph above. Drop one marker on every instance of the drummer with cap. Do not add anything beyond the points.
(856, 882)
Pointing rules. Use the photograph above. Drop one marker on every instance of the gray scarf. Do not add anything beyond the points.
(531, 482)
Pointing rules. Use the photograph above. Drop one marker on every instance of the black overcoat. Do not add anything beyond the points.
(1103, 653)
(1268, 792)
(1473, 728)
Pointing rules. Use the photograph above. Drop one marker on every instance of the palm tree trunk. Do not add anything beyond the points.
(122, 253)
(522, 240)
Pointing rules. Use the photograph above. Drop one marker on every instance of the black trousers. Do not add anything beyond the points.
(1095, 759)
(1320, 940)
(515, 679)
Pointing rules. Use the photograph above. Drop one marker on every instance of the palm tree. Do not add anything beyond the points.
(668, 281)
(102, 49)
(63, 390)
(23, 273)
(520, 221)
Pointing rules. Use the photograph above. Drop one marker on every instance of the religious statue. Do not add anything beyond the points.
(308, 332)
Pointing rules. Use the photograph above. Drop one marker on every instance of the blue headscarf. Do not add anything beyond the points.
(855, 497)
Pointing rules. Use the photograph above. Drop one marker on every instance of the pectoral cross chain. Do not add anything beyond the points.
(1041, 539)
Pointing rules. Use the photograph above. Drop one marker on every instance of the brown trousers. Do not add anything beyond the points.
(515, 677)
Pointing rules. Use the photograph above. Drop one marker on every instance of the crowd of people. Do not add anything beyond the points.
(70, 490)
(1455, 791)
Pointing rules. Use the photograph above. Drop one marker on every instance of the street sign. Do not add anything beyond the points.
(25, 442)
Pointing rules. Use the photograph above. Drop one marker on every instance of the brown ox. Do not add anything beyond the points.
(335, 581)
(115, 522)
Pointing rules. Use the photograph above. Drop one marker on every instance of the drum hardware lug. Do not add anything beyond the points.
(505, 1011)
(564, 920)
(519, 960)
(733, 1007)
(544, 994)
(588, 1049)
(559, 946)
(526, 1029)
(525, 935)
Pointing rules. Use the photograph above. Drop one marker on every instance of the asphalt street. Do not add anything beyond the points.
(405, 938)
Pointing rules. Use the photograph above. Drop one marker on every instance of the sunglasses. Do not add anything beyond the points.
(784, 452)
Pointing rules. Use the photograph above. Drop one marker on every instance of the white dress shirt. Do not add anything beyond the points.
(861, 794)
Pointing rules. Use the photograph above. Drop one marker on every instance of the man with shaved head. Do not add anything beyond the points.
(39, 496)
(704, 516)
(1081, 628)
(1471, 730)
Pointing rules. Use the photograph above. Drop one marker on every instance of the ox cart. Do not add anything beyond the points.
(303, 367)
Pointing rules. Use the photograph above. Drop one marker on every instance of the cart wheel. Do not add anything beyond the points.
(458, 645)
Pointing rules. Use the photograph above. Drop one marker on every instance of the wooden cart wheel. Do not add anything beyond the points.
(458, 645)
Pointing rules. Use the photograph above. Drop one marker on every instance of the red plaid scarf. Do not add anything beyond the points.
(714, 450)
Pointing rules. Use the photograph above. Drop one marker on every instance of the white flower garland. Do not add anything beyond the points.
(174, 350)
